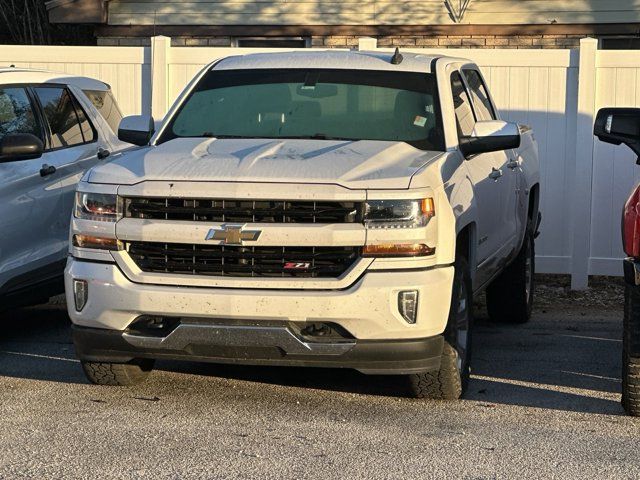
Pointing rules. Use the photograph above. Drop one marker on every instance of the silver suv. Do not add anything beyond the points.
(53, 127)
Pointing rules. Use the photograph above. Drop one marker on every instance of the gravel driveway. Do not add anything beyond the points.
(543, 403)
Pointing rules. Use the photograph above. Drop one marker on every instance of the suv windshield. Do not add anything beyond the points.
(312, 103)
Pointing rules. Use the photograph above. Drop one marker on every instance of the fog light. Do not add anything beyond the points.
(80, 293)
(408, 305)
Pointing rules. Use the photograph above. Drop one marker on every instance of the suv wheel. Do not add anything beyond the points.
(631, 343)
(450, 382)
(118, 374)
(510, 296)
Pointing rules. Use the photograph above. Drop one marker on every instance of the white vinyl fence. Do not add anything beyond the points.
(557, 92)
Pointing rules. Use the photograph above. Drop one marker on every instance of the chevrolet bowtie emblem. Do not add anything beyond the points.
(233, 234)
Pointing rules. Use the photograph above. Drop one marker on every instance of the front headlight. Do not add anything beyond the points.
(99, 207)
(398, 213)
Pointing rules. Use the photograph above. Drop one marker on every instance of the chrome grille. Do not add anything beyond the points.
(244, 211)
(241, 261)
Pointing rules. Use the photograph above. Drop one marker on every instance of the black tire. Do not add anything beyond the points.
(631, 352)
(117, 374)
(450, 382)
(510, 296)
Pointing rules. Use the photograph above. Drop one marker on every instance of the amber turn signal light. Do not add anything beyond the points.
(89, 241)
(398, 250)
(428, 208)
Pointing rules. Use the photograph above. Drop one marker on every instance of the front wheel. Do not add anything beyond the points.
(510, 296)
(450, 382)
(117, 374)
(631, 352)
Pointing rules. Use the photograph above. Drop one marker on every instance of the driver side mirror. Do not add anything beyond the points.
(136, 129)
(490, 136)
(619, 125)
(20, 146)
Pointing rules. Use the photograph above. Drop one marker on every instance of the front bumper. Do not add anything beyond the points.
(253, 347)
(252, 325)
(368, 309)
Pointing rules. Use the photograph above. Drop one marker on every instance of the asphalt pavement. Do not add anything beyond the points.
(544, 402)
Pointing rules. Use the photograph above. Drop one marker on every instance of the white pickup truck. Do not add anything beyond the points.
(334, 209)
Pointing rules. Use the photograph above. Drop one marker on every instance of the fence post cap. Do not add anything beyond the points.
(367, 43)
(588, 41)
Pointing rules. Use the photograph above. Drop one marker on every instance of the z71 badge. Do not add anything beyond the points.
(296, 265)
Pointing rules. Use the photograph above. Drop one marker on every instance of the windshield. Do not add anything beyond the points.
(312, 103)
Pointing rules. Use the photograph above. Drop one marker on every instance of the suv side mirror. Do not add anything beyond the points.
(136, 129)
(20, 146)
(619, 125)
(491, 136)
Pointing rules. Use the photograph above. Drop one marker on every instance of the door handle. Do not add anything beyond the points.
(103, 153)
(47, 170)
(495, 174)
(513, 164)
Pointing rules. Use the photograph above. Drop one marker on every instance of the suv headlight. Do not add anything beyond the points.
(99, 207)
(399, 213)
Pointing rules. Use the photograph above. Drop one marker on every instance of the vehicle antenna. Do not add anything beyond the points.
(397, 58)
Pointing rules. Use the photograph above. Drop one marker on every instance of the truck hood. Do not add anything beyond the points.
(352, 164)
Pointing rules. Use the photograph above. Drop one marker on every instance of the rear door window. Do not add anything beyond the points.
(17, 113)
(67, 121)
(106, 104)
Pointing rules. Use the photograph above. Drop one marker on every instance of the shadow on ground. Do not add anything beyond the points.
(557, 361)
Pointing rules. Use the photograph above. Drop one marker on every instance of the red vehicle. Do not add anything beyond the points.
(618, 126)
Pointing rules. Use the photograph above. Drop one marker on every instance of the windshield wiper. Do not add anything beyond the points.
(213, 135)
(322, 136)
(316, 136)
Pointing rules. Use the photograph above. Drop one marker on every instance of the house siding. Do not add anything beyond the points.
(404, 23)
(370, 12)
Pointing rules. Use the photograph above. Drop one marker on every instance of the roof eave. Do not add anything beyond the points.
(77, 11)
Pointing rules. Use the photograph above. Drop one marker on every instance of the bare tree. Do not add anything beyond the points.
(26, 22)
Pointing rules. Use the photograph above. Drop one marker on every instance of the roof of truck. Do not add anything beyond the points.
(332, 59)
(27, 75)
